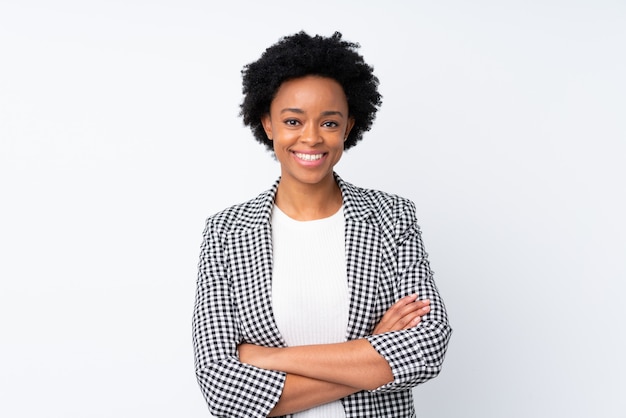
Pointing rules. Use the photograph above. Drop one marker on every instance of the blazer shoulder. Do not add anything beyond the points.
(247, 214)
(383, 205)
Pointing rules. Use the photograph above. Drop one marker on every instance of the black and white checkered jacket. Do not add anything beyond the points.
(385, 261)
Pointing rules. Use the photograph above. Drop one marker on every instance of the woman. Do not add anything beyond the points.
(315, 298)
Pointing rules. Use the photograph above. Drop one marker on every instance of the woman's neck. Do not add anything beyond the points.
(306, 202)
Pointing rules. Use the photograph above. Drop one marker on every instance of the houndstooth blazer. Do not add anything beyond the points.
(385, 261)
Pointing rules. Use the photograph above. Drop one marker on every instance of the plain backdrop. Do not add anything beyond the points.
(119, 134)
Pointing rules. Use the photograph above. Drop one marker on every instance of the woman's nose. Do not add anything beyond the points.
(311, 134)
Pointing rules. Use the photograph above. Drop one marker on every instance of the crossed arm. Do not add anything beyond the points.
(317, 374)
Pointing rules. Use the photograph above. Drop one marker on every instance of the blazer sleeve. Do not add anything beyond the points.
(231, 388)
(414, 355)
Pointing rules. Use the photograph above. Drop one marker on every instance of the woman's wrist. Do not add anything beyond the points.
(258, 356)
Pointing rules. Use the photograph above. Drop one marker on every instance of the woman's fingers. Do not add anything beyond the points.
(405, 313)
(410, 315)
(416, 320)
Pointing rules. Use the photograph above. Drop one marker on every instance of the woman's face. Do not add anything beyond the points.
(308, 123)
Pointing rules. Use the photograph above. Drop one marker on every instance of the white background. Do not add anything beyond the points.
(503, 120)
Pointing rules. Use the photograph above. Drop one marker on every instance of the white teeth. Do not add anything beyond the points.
(309, 157)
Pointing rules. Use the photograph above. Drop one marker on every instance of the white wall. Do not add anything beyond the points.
(119, 135)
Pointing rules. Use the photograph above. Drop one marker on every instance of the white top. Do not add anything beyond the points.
(309, 286)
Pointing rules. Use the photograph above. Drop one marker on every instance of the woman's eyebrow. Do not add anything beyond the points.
(332, 113)
(292, 109)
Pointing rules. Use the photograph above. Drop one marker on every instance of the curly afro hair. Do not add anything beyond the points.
(300, 55)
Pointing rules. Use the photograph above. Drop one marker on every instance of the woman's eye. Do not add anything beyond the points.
(291, 122)
(330, 124)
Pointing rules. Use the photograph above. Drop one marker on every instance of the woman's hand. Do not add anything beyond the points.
(404, 314)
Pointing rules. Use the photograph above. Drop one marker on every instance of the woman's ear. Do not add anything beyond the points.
(266, 121)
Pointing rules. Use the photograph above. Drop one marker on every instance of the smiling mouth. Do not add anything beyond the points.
(308, 157)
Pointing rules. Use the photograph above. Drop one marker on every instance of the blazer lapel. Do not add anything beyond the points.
(363, 258)
(251, 272)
